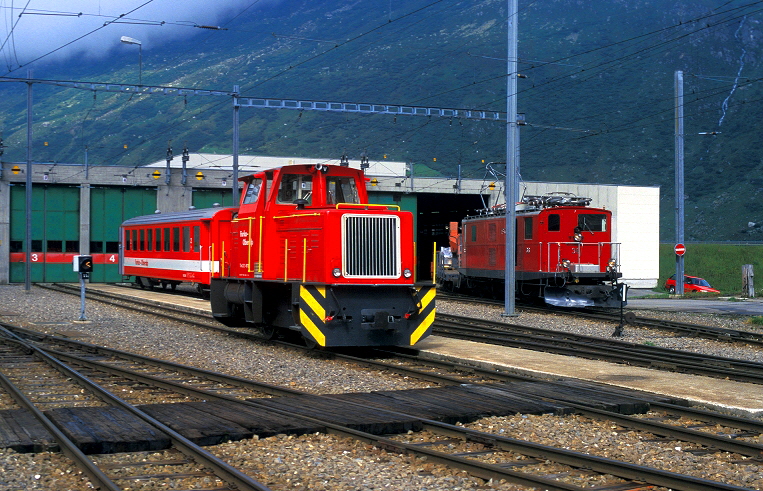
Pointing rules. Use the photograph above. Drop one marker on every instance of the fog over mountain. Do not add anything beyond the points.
(89, 30)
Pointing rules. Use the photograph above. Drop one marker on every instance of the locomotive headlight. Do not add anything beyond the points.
(337, 273)
(566, 263)
(578, 237)
(612, 264)
(407, 273)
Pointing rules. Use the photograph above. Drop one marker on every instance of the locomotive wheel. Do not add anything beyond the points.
(232, 321)
(268, 332)
(310, 343)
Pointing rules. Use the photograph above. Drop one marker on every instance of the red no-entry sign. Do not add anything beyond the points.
(680, 249)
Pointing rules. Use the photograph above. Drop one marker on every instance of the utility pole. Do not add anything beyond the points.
(28, 241)
(236, 106)
(510, 189)
(679, 184)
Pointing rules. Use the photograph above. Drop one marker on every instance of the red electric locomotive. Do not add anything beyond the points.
(564, 253)
(304, 251)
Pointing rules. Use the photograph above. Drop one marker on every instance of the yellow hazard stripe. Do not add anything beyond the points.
(423, 327)
(427, 298)
(425, 323)
(316, 307)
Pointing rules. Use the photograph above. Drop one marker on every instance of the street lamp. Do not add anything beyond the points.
(129, 40)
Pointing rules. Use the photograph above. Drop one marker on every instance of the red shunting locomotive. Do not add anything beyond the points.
(564, 253)
(304, 251)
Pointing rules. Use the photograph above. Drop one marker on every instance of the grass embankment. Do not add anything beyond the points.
(719, 264)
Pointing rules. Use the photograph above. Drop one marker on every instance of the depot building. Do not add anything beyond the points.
(77, 209)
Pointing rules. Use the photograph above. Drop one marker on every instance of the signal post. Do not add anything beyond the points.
(84, 266)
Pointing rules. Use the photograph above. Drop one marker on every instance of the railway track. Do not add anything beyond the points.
(28, 370)
(613, 316)
(484, 455)
(519, 336)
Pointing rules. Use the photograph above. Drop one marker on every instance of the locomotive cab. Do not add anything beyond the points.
(308, 253)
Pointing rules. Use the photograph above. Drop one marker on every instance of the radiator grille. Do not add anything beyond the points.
(371, 246)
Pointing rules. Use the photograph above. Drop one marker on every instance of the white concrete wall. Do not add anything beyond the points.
(638, 229)
(636, 215)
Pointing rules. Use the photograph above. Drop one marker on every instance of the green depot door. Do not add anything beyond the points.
(207, 198)
(55, 233)
(109, 207)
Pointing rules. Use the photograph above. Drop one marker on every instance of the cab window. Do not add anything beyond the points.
(592, 222)
(341, 190)
(554, 222)
(252, 191)
(294, 187)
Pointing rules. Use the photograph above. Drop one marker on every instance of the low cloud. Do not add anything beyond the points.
(54, 31)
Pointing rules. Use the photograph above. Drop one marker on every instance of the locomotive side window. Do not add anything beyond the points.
(186, 239)
(474, 233)
(341, 190)
(252, 191)
(149, 239)
(158, 239)
(142, 240)
(554, 222)
(134, 240)
(528, 228)
(593, 223)
(175, 239)
(294, 187)
(196, 240)
(167, 239)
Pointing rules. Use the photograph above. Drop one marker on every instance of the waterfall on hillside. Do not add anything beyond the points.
(725, 105)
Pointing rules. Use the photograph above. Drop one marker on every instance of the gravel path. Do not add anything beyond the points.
(323, 462)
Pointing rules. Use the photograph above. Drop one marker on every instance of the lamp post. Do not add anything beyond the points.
(129, 40)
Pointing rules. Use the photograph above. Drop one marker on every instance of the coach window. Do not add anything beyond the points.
(554, 222)
(157, 239)
(134, 240)
(175, 239)
(167, 239)
(127, 240)
(294, 187)
(252, 191)
(528, 228)
(141, 243)
(196, 239)
(186, 239)
(149, 239)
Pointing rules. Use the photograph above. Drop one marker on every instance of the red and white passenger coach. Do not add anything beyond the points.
(304, 251)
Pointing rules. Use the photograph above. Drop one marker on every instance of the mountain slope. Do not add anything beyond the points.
(598, 95)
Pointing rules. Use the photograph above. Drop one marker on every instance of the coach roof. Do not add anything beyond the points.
(180, 216)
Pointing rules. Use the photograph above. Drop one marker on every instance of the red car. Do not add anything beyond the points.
(691, 284)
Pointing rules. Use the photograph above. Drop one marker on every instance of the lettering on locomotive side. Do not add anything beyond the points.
(243, 233)
(141, 262)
